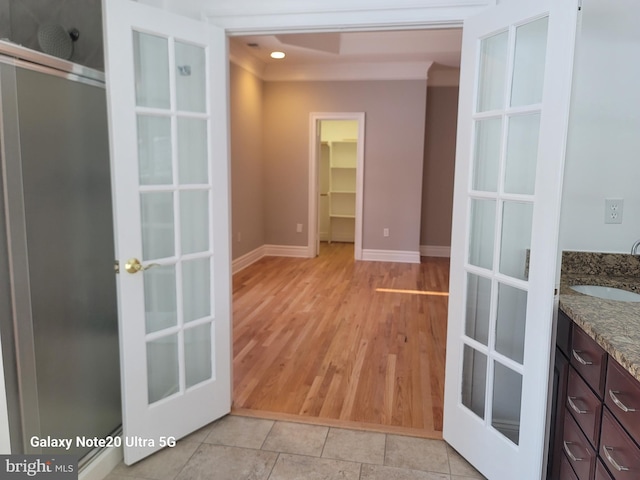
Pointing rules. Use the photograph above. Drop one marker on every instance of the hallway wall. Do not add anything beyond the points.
(394, 156)
(439, 161)
(247, 175)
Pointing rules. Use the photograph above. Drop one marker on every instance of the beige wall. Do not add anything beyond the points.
(439, 160)
(394, 156)
(247, 174)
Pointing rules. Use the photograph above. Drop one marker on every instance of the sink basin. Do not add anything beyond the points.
(608, 293)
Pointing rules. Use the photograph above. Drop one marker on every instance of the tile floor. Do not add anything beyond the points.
(241, 448)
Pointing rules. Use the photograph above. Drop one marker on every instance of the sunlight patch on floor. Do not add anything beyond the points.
(412, 292)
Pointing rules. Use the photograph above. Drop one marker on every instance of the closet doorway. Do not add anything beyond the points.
(336, 178)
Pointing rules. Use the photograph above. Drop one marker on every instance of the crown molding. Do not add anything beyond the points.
(290, 16)
(355, 71)
(347, 71)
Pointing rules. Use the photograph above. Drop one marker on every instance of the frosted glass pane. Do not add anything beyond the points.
(492, 72)
(197, 354)
(507, 397)
(196, 286)
(522, 154)
(517, 219)
(154, 150)
(511, 322)
(151, 65)
(158, 240)
(478, 308)
(193, 158)
(529, 63)
(191, 78)
(474, 378)
(162, 368)
(487, 154)
(483, 219)
(194, 215)
(160, 298)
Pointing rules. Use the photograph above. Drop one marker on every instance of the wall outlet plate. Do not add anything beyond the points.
(613, 210)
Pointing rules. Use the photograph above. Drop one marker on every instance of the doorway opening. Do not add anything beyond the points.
(336, 179)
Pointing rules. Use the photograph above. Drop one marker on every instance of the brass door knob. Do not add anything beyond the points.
(133, 265)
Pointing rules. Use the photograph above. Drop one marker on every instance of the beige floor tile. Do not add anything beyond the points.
(377, 472)
(236, 431)
(116, 476)
(228, 463)
(198, 435)
(460, 467)
(355, 446)
(163, 465)
(298, 467)
(417, 454)
(296, 438)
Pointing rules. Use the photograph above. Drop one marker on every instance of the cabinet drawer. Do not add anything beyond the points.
(618, 452)
(601, 472)
(623, 393)
(585, 407)
(566, 472)
(579, 452)
(589, 359)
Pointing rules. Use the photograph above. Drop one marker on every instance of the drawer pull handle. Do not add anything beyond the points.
(570, 453)
(611, 460)
(574, 407)
(576, 355)
(619, 404)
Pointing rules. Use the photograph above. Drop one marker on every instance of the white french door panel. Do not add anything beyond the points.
(515, 90)
(167, 99)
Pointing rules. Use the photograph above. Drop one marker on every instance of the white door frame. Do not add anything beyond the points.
(314, 162)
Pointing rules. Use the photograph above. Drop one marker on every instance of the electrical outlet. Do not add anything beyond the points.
(613, 210)
(299, 228)
(385, 232)
(239, 237)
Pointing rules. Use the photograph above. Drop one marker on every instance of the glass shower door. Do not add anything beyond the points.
(59, 212)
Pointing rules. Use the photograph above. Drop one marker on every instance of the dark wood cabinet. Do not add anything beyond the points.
(557, 463)
(595, 420)
(589, 359)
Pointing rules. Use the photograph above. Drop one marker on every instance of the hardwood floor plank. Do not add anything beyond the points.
(317, 339)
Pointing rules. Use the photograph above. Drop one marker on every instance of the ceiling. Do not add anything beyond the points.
(441, 46)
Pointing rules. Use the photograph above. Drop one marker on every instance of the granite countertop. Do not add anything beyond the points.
(614, 325)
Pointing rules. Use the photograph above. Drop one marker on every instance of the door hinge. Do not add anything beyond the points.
(116, 266)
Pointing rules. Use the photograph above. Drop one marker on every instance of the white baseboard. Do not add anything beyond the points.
(434, 251)
(247, 259)
(286, 251)
(102, 465)
(346, 238)
(398, 256)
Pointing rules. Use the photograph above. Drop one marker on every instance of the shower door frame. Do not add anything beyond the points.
(18, 350)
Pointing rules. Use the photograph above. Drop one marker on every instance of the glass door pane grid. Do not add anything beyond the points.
(175, 188)
(499, 196)
(508, 80)
(192, 325)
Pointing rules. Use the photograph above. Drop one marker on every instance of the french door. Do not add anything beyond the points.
(167, 85)
(514, 103)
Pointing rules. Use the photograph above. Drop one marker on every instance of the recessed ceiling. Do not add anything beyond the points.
(441, 46)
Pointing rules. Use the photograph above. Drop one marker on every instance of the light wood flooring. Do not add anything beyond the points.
(334, 341)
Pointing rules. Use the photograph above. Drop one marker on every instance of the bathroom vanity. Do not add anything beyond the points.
(596, 413)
